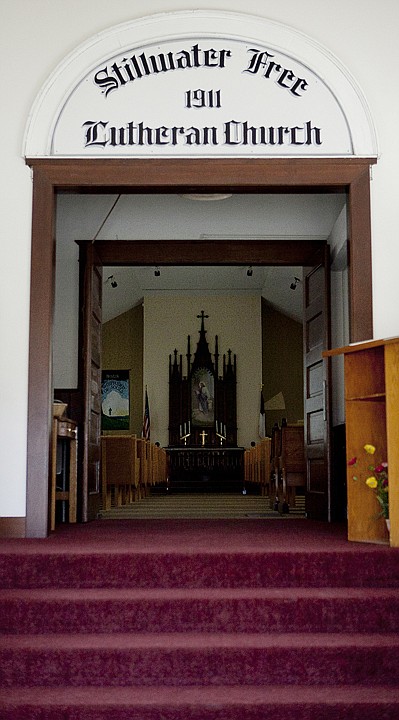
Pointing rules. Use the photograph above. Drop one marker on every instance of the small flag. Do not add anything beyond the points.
(146, 419)
(262, 428)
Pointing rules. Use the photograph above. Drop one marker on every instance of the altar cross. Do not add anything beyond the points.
(203, 435)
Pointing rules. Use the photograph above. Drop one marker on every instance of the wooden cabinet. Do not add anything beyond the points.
(372, 416)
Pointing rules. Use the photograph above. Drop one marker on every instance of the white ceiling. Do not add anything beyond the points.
(133, 283)
(249, 216)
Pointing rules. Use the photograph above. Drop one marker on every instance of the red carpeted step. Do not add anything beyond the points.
(201, 703)
(169, 568)
(199, 621)
(181, 659)
(240, 610)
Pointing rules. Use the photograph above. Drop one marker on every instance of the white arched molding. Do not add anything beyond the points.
(309, 107)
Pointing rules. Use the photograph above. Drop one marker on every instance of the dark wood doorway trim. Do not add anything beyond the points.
(168, 176)
(208, 252)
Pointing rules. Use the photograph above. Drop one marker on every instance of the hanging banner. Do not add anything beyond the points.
(201, 97)
(115, 409)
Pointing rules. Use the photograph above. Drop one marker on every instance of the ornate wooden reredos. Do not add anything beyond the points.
(202, 404)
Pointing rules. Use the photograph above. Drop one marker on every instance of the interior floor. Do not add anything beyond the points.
(204, 505)
(214, 536)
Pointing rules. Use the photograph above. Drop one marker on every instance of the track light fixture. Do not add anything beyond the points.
(111, 278)
(295, 283)
(249, 271)
(157, 272)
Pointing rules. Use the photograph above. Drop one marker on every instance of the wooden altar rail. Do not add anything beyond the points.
(257, 466)
(130, 466)
(197, 468)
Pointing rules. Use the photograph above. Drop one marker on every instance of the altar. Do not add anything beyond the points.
(203, 452)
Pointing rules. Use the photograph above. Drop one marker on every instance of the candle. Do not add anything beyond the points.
(185, 428)
(216, 426)
(180, 430)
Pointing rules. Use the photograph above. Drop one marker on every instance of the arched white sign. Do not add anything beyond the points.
(200, 84)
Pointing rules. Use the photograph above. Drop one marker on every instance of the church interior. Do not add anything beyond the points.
(165, 329)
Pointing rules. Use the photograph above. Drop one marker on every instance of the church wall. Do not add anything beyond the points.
(122, 349)
(282, 359)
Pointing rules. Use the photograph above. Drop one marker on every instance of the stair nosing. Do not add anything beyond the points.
(192, 640)
(283, 593)
(232, 695)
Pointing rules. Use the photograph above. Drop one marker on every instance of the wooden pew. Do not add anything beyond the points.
(144, 454)
(292, 462)
(158, 468)
(247, 466)
(250, 470)
(264, 465)
(257, 466)
(130, 467)
(275, 453)
(120, 470)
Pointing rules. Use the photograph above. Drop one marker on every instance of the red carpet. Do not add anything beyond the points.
(199, 620)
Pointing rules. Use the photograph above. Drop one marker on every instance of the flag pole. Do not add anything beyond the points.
(146, 432)
(262, 415)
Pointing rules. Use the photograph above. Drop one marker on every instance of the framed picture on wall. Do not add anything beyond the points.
(115, 402)
(202, 398)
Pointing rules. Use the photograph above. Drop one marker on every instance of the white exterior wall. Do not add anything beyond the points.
(36, 35)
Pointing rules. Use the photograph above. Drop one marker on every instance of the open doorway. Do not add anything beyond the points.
(278, 286)
(251, 175)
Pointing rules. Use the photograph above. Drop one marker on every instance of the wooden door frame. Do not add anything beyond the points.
(248, 175)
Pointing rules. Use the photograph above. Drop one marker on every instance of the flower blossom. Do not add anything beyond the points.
(371, 482)
(376, 478)
(370, 449)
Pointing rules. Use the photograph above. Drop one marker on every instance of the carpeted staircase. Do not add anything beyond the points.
(202, 622)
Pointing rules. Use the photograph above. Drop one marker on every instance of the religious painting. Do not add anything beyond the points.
(115, 407)
(202, 398)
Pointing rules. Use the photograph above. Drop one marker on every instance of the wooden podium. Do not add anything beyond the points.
(64, 430)
(371, 371)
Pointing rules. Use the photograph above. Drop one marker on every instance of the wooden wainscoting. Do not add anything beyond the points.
(12, 527)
